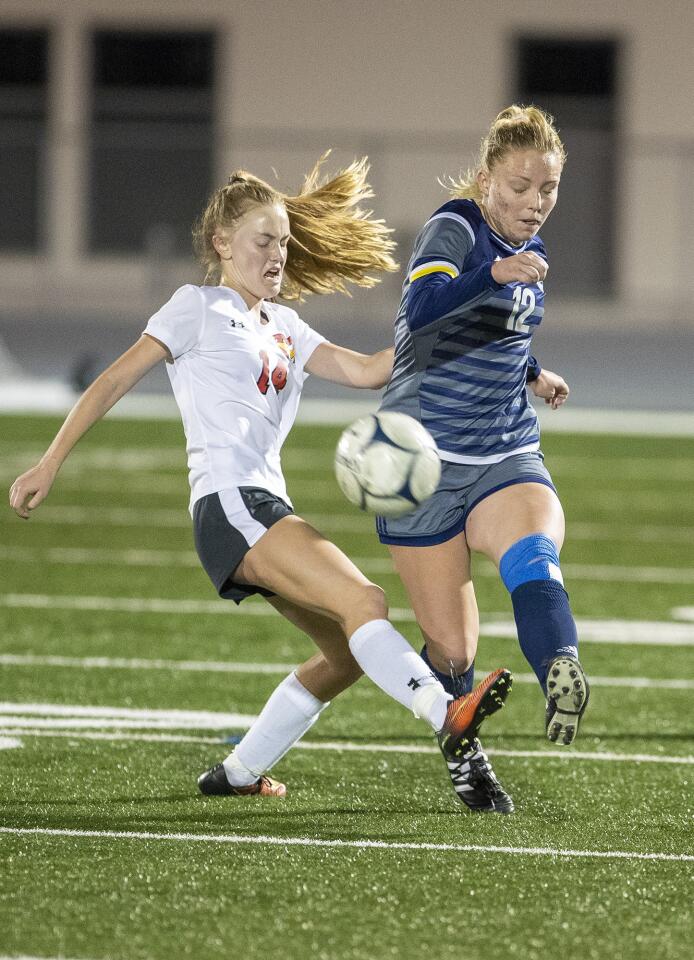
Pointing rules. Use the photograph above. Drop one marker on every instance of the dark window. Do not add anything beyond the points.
(577, 68)
(23, 77)
(577, 82)
(152, 139)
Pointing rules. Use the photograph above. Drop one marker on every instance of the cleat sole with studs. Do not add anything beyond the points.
(567, 698)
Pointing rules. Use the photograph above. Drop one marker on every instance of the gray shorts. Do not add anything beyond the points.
(225, 526)
(461, 488)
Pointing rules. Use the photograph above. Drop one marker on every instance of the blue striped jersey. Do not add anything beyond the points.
(462, 341)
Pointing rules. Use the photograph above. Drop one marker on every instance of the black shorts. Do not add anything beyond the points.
(225, 526)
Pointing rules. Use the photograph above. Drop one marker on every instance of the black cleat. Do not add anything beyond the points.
(567, 698)
(214, 783)
(475, 783)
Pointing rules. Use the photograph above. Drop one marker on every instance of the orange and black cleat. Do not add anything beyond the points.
(214, 783)
(465, 715)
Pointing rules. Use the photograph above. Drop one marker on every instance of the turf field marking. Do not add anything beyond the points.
(232, 838)
(620, 532)
(66, 727)
(350, 522)
(76, 715)
(228, 666)
(53, 399)
(372, 565)
(144, 459)
(643, 632)
(136, 663)
(608, 530)
(10, 743)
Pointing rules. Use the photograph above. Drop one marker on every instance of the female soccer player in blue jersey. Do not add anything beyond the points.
(472, 298)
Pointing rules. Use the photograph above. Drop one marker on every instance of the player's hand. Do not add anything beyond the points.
(29, 490)
(551, 388)
(520, 268)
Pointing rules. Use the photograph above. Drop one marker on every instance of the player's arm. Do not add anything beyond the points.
(352, 369)
(28, 491)
(433, 296)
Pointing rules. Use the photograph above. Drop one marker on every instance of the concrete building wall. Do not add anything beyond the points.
(412, 84)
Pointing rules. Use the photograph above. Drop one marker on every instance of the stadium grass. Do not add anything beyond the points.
(107, 897)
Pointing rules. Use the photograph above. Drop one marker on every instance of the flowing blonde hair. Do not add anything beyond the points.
(515, 128)
(333, 240)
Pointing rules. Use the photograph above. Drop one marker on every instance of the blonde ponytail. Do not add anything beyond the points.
(333, 240)
(515, 128)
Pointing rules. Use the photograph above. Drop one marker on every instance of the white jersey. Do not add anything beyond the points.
(237, 382)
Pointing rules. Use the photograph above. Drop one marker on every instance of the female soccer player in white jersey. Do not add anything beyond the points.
(237, 361)
(472, 298)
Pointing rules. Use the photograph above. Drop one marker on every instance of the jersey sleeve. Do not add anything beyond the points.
(441, 247)
(178, 324)
(437, 283)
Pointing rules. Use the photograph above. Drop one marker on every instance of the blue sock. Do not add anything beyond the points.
(458, 684)
(546, 629)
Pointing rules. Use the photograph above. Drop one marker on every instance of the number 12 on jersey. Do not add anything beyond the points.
(523, 306)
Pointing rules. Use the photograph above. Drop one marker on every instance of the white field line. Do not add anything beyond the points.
(607, 530)
(9, 743)
(138, 460)
(46, 715)
(234, 838)
(145, 459)
(373, 565)
(351, 522)
(226, 666)
(137, 663)
(643, 632)
(58, 730)
(53, 396)
(627, 531)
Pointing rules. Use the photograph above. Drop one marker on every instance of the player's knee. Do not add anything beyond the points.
(459, 655)
(533, 558)
(360, 604)
(451, 644)
(372, 602)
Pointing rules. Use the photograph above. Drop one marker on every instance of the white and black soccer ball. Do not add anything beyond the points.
(387, 463)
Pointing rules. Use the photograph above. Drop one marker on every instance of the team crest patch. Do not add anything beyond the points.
(286, 346)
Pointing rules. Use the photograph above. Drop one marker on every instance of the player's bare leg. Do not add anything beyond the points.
(439, 584)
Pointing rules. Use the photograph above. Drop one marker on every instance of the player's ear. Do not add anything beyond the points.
(222, 245)
(483, 182)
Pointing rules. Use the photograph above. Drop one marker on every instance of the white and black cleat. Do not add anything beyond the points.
(476, 784)
(567, 698)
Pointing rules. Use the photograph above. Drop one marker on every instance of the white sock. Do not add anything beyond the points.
(387, 658)
(290, 711)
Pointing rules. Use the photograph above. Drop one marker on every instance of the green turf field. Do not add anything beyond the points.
(117, 661)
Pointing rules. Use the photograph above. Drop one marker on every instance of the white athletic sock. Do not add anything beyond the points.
(290, 711)
(387, 658)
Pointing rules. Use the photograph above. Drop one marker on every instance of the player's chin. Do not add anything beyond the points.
(527, 230)
(271, 286)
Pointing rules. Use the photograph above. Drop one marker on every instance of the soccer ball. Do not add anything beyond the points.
(387, 463)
